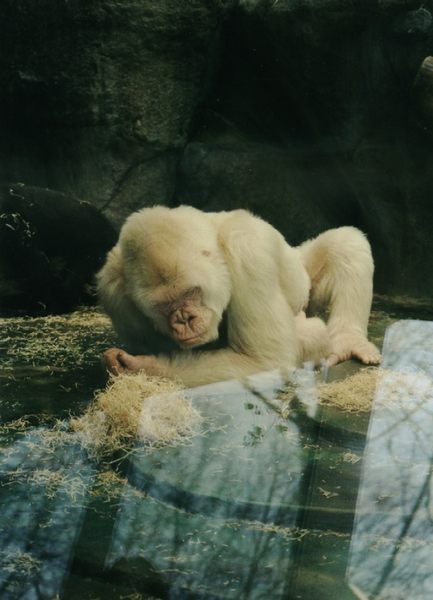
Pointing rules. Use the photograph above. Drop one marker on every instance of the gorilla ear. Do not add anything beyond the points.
(110, 281)
(132, 326)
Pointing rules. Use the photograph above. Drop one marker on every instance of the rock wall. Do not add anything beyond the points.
(304, 111)
(98, 96)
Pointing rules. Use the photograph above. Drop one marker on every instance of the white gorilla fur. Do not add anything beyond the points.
(174, 272)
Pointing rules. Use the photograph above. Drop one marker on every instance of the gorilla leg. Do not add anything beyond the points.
(340, 265)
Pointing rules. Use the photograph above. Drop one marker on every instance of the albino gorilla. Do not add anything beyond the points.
(182, 278)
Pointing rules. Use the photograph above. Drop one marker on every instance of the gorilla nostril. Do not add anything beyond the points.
(178, 318)
(186, 318)
(183, 321)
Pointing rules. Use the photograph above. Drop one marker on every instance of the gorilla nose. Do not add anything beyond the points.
(181, 319)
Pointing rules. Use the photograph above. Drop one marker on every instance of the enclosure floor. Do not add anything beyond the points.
(281, 494)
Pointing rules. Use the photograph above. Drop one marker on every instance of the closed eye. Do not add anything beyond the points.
(164, 308)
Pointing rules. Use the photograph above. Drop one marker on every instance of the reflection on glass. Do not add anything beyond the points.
(258, 505)
(393, 538)
(242, 511)
(213, 529)
(219, 515)
(42, 496)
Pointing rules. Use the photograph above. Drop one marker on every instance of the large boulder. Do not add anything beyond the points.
(51, 246)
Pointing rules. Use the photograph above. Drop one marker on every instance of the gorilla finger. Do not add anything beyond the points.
(332, 360)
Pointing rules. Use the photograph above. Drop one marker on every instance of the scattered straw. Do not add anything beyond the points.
(352, 394)
(356, 393)
(56, 342)
(22, 563)
(390, 389)
(52, 481)
(71, 484)
(17, 425)
(110, 484)
(351, 457)
(152, 409)
(407, 390)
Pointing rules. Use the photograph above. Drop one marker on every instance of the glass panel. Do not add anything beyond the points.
(269, 500)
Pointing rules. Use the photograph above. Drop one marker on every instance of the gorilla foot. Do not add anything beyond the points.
(345, 346)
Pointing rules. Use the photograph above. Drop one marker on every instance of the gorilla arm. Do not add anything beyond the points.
(313, 346)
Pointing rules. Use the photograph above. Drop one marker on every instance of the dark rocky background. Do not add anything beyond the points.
(312, 113)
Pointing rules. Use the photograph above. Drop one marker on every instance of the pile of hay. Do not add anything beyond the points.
(357, 392)
(354, 393)
(152, 410)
